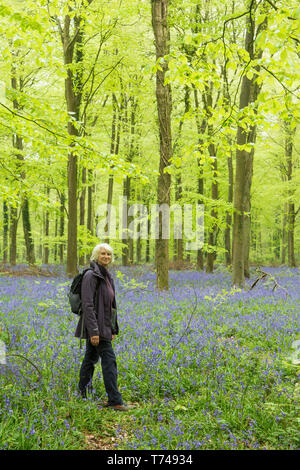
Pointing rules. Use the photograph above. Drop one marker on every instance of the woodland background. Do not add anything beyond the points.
(181, 101)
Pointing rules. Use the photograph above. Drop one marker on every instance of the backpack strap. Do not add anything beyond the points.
(96, 292)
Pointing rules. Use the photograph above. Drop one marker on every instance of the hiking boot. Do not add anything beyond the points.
(114, 407)
(118, 407)
(128, 406)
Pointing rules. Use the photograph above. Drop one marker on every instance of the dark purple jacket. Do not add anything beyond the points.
(96, 318)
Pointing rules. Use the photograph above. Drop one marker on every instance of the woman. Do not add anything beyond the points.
(99, 325)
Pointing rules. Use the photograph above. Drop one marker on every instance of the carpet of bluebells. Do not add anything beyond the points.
(208, 366)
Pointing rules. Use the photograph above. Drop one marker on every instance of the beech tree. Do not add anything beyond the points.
(164, 106)
(246, 136)
(90, 52)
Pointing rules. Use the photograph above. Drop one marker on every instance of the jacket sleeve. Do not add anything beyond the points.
(88, 288)
(115, 326)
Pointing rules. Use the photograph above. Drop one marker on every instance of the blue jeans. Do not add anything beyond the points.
(105, 351)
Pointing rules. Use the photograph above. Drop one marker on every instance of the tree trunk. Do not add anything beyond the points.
(228, 215)
(18, 145)
(130, 219)
(178, 243)
(255, 90)
(148, 238)
(244, 167)
(138, 228)
(62, 228)
(5, 230)
(213, 230)
(126, 196)
(201, 126)
(247, 206)
(159, 10)
(55, 234)
(46, 232)
(90, 207)
(13, 235)
(242, 158)
(114, 150)
(212, 237)
(73, 95)
(82, 208)
(72, 216)
(127, 181)
(289, 136)
(91, 190)
(284, 234)
(276, 239)
(291, 236)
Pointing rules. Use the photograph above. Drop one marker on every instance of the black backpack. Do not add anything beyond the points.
(74, 293)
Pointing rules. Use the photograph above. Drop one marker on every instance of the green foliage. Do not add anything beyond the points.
(86, 241)
(207, 57)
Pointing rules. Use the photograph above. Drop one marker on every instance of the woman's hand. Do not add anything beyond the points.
(94, 340)
(113, 337)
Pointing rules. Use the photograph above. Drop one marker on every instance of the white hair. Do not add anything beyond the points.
(96, 251)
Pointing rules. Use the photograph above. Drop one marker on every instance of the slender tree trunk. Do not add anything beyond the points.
(91, 190)
(73, 95)
(148, 238)
(13, 235)
(290, 132)
(90, 207)
(62, 228)
(132, 149)
(255, 90)
(114, 150)
(284, 234)
(247, 206)
(213, 230)
(126, 191)
(138, 228)
(228, 215)
(109, 202)
(27, 232)
(72, 215)
(242, 158)
(132, 196)
(90, 214)
(244, 167)
(178, 243)
(212, 237)
(126, 195)
(82, 208)
(276, 239)
(201, 126)
(55, 234)
(18, 145)
(46, 231)
(111, 177)
(164, 104)
(5, 230)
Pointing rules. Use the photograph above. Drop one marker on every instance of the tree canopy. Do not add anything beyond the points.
(82, 121)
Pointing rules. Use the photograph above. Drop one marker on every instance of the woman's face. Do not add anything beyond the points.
(104, 257)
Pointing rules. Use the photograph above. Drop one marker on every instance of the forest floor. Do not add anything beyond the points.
(208, 366)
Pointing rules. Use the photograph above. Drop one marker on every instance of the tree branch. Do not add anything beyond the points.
(92, 93)
(279, 81)
(263, 275)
